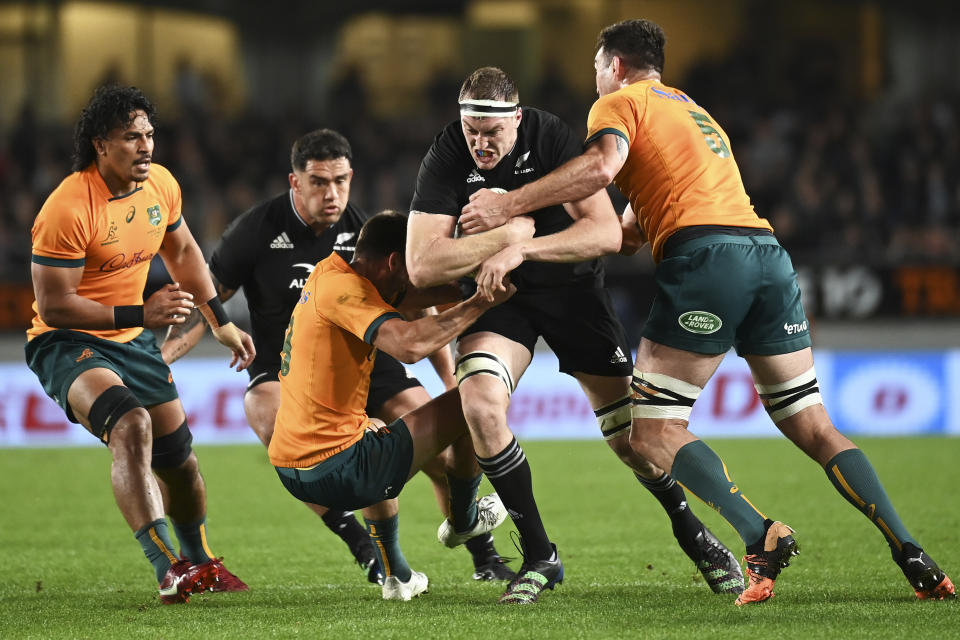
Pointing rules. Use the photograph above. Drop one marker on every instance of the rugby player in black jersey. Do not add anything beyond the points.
(552, 257)
(269, 251)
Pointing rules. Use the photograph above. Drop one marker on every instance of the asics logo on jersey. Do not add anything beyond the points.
(618, 356)
(474, 177)
(282, 241)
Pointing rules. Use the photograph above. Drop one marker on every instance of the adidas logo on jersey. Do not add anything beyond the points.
(474, 177)
(618, 357)
(282, 241)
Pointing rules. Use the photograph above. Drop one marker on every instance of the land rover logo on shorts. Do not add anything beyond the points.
(153, 213)
(700, 322)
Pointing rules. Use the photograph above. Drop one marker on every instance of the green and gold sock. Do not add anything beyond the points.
(385, 537)
(193, 541)
(157, 546)
(703, 473)
(854, 478)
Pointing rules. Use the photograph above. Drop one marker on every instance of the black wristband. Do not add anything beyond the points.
(127, 315)
(216, 308)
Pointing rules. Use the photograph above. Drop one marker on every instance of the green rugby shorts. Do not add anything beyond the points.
(718, 291)
(370, 471)
(59, 356)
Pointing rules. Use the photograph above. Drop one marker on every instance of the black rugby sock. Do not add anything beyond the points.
(482, 549)
(671, 497)
(345, 525)
(509, 473)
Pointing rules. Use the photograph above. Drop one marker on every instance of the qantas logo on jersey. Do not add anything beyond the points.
(282, 241)
(474, 177)
(298, 283)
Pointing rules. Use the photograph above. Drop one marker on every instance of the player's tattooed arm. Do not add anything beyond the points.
(181, 338)
(621, 147)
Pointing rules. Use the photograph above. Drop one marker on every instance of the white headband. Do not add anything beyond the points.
(487, 108)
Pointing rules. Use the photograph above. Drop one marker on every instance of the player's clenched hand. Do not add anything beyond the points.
(238, 342)
(492, 277)
(521, 229)
(168, 305)
(485, 211)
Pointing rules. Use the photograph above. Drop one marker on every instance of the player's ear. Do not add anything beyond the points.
(396, 261)
(294, 182)
(617, 69)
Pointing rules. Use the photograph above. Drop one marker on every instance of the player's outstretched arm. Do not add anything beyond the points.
(574, 180)
(411, 341)
(594, 232)
(442, 359)
(435, 257)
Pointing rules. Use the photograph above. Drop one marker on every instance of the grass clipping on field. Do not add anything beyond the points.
(73, 569)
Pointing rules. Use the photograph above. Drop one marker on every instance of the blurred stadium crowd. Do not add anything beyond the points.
(842, 180)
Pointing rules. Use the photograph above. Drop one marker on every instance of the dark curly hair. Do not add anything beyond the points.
(322, 144)
(110, 107)
(638, 42)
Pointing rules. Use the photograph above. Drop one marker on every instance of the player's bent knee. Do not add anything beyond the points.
(615, 418)
(789, 398)
(486, 364)
(172, 450)
(108, 408)
(659, 396)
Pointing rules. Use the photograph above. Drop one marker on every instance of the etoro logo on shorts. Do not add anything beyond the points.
(700, 322)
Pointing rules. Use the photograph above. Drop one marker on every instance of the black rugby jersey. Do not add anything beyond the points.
(270, 251)
(448, 175)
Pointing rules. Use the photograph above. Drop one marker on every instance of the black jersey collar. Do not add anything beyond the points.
(296, 213)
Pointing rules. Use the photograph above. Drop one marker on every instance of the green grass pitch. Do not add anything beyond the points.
(71, 569)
